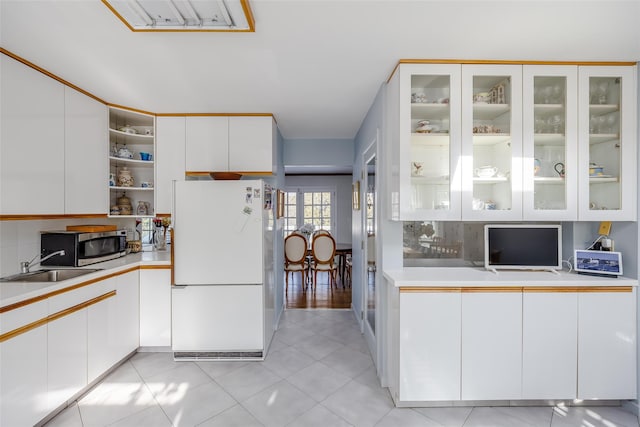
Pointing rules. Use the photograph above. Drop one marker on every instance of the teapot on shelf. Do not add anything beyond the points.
(125, 153)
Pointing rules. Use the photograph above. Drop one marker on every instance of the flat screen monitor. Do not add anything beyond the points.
(522, 247)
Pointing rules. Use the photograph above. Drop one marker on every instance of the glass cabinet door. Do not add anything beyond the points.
(492, 142)
(550, 179)
(607, 151)
(430, 141)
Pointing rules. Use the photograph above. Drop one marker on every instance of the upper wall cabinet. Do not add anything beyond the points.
(170, 159)
(32, 148)
(608, 139)
(491, 142)
(85, 125)
(504, 142)
(428, 177)
(236, 143)
(131, 163)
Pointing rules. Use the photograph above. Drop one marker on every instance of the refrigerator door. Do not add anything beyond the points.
(225, 319)
(218, 232)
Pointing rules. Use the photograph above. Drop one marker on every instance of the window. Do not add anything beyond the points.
(309, 206)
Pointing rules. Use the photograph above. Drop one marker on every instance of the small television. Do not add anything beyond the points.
(523, 247)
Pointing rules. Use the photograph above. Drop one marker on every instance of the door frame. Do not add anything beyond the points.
(370, 335)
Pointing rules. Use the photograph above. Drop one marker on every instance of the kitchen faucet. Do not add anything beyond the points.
(26, 265)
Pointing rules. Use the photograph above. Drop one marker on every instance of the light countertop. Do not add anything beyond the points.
(13, 292)
(478, 276)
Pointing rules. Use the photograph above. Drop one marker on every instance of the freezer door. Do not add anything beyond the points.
(217, 318)
(218, 232)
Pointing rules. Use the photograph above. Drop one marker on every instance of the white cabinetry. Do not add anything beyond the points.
(85, 124)
(251, 143)
(170, 159)
(32, 163)
(512, 142)
(155, 308)
(608, 140)
(23, 364)
(127, 319)
(130, 135)
(492, 142)
(236, 144)
(550, 151)
(207, 143)
(430, 344)
(491, 345)
(607, 345)
(549, 345)
(102, 349)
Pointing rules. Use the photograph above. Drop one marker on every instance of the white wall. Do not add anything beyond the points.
(312, 154)
(342, 185)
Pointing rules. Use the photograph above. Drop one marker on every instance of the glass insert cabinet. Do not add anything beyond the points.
(512, 142)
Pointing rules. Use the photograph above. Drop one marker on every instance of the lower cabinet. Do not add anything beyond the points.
(127, 319)
(607, 345)
(66, 357)
(155, 308)
(525, 343)
(430, 346)
(491, 345)
(23, 366)
(549, 345)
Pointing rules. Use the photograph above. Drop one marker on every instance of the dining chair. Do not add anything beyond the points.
(295, 258)
(323, 252)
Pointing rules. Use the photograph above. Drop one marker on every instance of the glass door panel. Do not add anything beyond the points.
(430, 142)
(429, 148)
(492, 142)
(608, 143)
(604, 143)
(550, 142)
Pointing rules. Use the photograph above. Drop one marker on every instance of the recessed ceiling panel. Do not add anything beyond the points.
(183, 15)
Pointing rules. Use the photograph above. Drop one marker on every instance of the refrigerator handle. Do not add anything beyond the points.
(179, 286)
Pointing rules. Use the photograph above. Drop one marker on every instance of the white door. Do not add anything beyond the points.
(369, 227)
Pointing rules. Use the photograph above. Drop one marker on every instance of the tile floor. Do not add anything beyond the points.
(317, 373)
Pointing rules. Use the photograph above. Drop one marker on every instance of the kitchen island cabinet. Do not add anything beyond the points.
(522, 336)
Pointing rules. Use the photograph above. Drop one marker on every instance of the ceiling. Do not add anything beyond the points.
(315, 64)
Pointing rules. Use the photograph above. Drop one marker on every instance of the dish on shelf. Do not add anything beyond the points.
(128, 129)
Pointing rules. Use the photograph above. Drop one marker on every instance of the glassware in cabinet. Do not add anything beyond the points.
(492, 142)
(550, 142)
(429, 141)
(608, 140)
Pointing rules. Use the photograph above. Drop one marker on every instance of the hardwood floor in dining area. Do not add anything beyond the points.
(298, 296)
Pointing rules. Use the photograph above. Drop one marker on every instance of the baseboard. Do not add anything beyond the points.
(631, 406)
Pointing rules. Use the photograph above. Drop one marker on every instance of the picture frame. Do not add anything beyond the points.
(355, 196)
(280, 204)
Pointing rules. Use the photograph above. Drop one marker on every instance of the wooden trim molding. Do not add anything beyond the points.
(48, 74)
(67, 311)
(508, 62)
(31, 217)
(155, 267)
(215, 115)
(245, 173)
(29, 301)
(523, 289)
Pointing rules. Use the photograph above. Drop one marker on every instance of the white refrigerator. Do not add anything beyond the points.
(222, 295)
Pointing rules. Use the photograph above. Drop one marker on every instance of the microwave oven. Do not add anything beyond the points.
(82, 248)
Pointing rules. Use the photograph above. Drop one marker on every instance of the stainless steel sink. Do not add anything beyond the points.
(56, 275)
